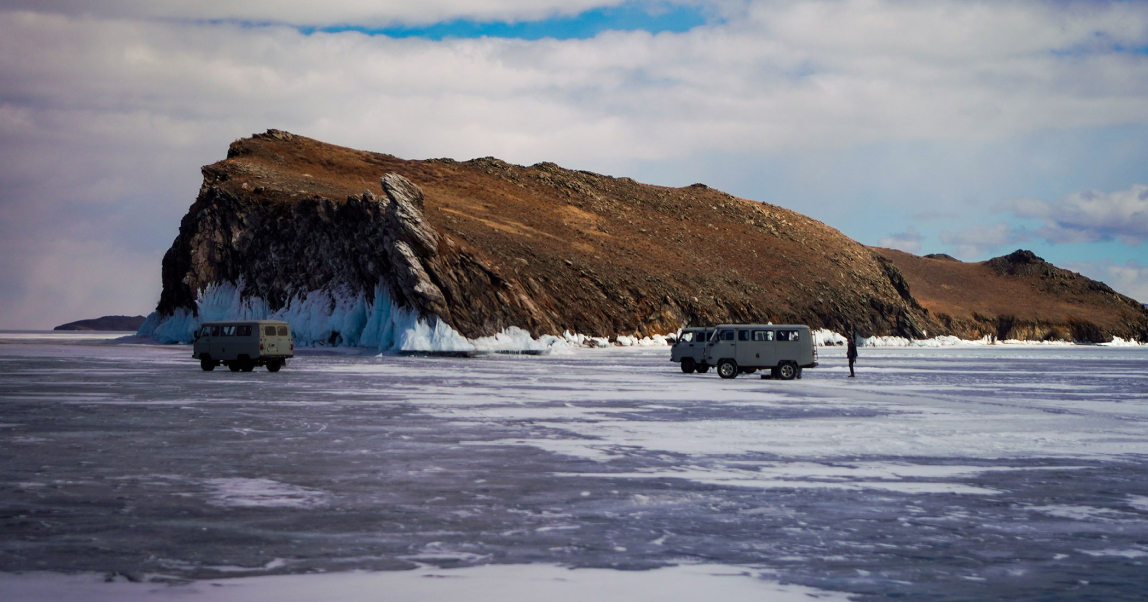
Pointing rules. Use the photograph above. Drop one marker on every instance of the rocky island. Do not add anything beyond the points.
(366, 249)
(105, 323)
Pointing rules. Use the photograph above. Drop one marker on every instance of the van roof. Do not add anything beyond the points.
(762, 326)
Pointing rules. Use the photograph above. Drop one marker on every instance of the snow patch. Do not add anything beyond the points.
(823, 337)
(262, 493)
(951, 341)
(1119, 342)
(941, 341)
(652, 341)
(581, 340)
(1085, 513)
(1133, 553)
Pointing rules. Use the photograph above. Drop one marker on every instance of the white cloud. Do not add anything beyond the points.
(108, 109)
(330, 12)
(1129, 278)
(973, 242)
(908, 241)
(1090, 216)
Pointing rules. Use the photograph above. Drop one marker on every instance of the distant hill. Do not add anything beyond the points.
(1018, 296)
(111, 323)
(318, 232)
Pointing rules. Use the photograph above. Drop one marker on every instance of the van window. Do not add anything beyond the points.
(686, 337)
(205, 331)
(269, 331)
(787, 335)
(743, 335)
(215, 330)
(763, 335)
(282, 331)
(727, 335)
(244, 330)
(228, 330)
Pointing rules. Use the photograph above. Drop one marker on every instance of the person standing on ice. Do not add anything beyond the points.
(851, 352)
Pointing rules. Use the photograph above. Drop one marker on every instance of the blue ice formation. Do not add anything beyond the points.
(338, 318)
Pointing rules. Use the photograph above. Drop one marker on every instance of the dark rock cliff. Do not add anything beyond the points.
(279, 250)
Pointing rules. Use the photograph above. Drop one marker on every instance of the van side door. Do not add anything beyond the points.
(215, 345)
(247, 340)
(764, 348)
(723, 345)
(747, 353)
(223, 343)
(789, 346)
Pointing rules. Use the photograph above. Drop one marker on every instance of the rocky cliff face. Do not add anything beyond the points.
(278, 250)
(484, 245)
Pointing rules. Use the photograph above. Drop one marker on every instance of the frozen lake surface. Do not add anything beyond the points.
(1015, 473)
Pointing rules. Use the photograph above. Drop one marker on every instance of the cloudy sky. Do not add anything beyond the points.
(968, 128)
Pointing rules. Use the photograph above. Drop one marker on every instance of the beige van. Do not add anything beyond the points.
(243, 345)
(785, 349)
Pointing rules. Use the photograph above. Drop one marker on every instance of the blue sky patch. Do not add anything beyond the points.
(629, 16)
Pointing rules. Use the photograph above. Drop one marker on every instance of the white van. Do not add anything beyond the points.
(785, 349)
(243, 345)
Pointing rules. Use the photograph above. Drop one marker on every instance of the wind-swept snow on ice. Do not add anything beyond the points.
(958, 472)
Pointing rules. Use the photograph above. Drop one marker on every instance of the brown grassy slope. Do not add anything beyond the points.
(1018, 296)
(604, 255)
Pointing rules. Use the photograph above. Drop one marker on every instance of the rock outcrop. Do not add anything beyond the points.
(484, 245)
(276, 251)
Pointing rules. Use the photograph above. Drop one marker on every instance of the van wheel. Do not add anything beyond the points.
(274, 366)
(688, 365)
(702, 368)
(206, 363)
(246, 364)
(787, 371)
(232, 365)
(727, 368)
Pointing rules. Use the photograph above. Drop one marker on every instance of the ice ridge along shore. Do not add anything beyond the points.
(343, 319)
(347, 319)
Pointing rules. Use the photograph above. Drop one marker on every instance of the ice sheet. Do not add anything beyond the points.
(973, 472)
